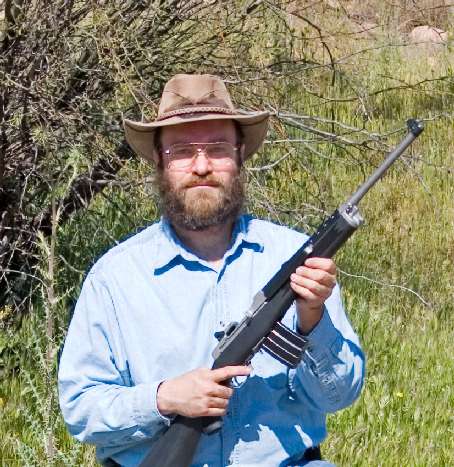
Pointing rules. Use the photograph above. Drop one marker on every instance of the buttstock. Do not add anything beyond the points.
(177, 446)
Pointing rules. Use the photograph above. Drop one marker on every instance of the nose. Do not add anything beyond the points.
(201, 164)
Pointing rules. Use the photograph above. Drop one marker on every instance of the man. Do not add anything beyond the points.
(138, 349)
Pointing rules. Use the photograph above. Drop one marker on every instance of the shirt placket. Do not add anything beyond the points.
(230, 432)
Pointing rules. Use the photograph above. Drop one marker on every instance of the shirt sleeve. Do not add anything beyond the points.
(99, 402)
(331, 373)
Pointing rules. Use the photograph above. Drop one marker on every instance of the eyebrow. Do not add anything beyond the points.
(210, 140)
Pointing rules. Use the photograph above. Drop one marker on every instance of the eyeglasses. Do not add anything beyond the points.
(181, 156)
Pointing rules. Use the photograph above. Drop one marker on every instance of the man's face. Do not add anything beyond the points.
(206, 193)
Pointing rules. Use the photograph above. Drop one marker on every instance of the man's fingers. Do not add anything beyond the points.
(317, 288)
(326, 264)
(208, 412)
(318, 275)
(218, 403)
(228, 372)
(219, 390)
(215, 412)
(304, 293)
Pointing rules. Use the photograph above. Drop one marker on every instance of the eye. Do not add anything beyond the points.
(181, 152)
(220, 150)
(216, 150)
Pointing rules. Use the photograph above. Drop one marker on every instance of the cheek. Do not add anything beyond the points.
(175, 179)
(227, 176)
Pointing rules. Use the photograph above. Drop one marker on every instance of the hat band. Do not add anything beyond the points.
(190, 110)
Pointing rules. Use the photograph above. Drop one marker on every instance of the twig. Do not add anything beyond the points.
(269, 166)
(385, 284)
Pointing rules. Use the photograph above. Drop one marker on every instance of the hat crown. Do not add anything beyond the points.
(194, 93)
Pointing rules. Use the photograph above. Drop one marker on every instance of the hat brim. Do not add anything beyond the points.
(140, 135)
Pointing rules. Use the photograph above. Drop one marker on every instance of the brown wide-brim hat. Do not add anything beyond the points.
(195, 98)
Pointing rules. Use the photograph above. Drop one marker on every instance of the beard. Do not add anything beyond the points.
(194, 209)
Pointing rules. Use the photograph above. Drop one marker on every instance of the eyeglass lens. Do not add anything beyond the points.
(220, 154)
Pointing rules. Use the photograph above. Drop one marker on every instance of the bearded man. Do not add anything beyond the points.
(138, 349)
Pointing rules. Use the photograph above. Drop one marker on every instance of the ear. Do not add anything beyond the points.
(158, 159)
(241, 152)
(157, 156)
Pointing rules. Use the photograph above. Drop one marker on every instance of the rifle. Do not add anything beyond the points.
(261, 327)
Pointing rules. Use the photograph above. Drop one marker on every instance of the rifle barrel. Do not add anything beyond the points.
(415, 128)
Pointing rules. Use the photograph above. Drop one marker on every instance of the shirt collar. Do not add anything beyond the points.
(173, 252)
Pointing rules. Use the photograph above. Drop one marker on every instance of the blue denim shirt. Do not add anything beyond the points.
(148, 311)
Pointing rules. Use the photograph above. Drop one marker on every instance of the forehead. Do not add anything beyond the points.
(199, 132)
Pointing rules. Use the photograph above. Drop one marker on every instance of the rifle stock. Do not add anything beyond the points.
(177, 445)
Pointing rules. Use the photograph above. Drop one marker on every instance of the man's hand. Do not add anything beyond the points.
(313, 283)
(198, 393)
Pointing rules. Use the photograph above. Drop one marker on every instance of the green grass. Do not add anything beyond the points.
(404, 415)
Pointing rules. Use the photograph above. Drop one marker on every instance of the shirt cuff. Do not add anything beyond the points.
(318, 357)
(146, 407)
(324, 334)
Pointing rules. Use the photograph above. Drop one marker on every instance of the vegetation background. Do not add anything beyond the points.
(340, 78)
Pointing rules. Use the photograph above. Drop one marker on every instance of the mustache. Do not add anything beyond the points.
(209, 180)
